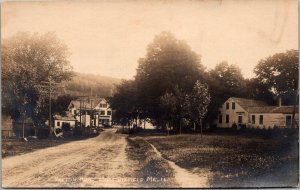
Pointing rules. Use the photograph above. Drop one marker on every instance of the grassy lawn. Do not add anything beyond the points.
(234, 160)
(12, 147)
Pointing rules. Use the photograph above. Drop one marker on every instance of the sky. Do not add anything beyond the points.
(108, 37)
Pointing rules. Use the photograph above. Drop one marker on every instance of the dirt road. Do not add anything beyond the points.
(98, 162)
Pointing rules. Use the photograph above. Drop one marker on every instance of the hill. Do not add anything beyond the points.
(83, 84)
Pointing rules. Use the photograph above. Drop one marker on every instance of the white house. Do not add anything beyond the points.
(93, 112)
(254, 113)
(104, 112)
(61, 121)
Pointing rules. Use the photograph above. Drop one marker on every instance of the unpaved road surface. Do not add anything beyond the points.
(98, 162)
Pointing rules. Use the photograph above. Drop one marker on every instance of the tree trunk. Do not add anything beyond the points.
(180, 127)
(201, 128)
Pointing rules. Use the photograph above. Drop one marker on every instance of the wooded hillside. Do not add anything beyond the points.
(91, 84)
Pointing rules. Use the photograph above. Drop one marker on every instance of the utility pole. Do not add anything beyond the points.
(80, 112)
(81, 107)
(91, 114)
(49, 86)
(50, 122)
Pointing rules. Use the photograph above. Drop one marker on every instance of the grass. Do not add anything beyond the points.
(150, 166)
(235, 160)
(13, 147)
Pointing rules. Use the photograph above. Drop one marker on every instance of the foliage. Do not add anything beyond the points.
(279, 72)
(89, 84)
(124, 102)
(169, 62)
(224, 81)
(197, 102)
(61, 103)
(27, 61)
(258, 91)
(172, 106)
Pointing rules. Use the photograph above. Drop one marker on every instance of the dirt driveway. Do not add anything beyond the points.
(103, 161)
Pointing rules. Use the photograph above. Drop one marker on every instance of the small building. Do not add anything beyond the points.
(254, 113)
(64, 122)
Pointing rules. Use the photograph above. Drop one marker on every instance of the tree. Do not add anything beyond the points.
(279, 72)
(169, 62)
(258, 91)
(224, 81)
(172, 107)
(61, 103)
(197, 103)
(124, 102)
(27, 61)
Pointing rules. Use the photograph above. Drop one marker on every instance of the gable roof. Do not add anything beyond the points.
(286, 109)
(68, 117)
(246, 103)
(257, 106)
(87, 105)
(261, 109)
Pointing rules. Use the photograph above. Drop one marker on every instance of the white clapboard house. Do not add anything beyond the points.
(93, 112)
(254, 113)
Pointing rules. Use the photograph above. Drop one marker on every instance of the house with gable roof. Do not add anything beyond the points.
(254, 113)
(93, 112)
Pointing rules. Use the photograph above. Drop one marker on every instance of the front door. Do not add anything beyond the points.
(240, 119)
(288, 120)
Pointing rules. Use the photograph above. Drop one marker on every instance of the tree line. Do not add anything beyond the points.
(30, 61)
(33, 68)
(172, 86)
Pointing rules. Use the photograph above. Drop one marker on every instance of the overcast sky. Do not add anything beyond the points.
(108, 37)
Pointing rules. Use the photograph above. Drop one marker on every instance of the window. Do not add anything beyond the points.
(220, 118)
(233, 105)
(108, 112)
(227, 106)
(58, 123)
(240, 119)
(261, 119)
(253, 119)
(227, 118)
(102, 112)
(288, 120)
(105, 105)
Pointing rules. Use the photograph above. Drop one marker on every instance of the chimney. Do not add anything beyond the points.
(279, 101)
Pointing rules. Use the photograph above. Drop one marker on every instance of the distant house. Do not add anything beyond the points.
(254, 113)
(93, 112)
(63, 122)
(104, 112)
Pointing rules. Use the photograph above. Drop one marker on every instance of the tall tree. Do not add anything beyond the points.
(279, 72)
(197, 102)
(27, 61)
(168, 62)
(224, 81)
(124, 102)
(172, 107)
